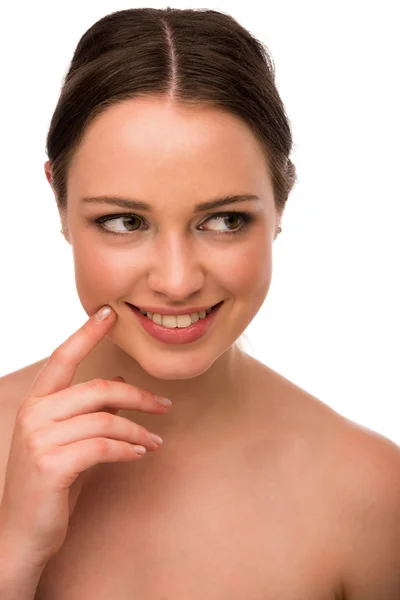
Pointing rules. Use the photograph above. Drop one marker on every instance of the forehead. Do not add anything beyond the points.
(152, 142)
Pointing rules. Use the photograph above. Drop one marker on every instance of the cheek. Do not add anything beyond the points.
(247, 271)
(99, 276)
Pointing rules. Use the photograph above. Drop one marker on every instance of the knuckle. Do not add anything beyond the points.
(45, 464)
(102, 446)
(104, 419)
(59, 355)
(24, 418)
(34, 442)
(100, 385)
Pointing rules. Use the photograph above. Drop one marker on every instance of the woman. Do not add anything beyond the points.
(169, 161)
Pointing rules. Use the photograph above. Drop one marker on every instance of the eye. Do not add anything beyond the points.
(246, 218)
(126, 218)
(129, 219)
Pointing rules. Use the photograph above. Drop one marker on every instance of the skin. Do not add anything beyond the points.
(171, 157)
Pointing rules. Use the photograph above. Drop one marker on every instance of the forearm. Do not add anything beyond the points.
(18, 579)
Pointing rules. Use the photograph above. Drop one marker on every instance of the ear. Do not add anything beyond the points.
(63, 216)
(64, 228)
(277, 231)
(64, 224)
(49, 176)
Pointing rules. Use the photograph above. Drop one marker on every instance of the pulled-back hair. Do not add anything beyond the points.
(198, 57)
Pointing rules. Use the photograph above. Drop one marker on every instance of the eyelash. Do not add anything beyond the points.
(247, 217)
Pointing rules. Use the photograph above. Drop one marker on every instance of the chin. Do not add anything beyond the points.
(174, 367)
(170, 361)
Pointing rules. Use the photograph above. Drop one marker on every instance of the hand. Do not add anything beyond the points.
(60, 432)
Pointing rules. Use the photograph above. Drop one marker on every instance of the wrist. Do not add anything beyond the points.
(17, 561)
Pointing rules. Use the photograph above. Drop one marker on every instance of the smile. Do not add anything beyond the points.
(172, 321)
(177, 329)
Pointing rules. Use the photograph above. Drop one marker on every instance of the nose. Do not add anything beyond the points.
(176, 270)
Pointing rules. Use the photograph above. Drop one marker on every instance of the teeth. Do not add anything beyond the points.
(172, 321)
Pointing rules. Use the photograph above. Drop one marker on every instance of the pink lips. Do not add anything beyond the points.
(178, 335)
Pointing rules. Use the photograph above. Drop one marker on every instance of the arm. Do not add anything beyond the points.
(18, 581)
(371, 517)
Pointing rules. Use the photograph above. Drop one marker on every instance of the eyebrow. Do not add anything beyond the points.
(136, 204)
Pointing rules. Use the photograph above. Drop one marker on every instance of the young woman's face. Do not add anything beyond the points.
(171, 256)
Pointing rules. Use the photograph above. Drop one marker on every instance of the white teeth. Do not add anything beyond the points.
(157, 318)
(172, 321)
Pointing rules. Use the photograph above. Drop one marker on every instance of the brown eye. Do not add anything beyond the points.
(131, 223)
(231, 220)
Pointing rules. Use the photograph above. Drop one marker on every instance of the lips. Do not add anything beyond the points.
(177, 335)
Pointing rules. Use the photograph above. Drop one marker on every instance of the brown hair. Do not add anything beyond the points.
(199, 57)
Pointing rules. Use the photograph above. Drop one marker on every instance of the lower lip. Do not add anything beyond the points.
(178, 335)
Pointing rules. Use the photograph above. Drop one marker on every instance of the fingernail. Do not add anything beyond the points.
(103, 313)
(156, 438)
(163, 401)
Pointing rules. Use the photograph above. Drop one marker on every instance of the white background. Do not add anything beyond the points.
(330, 321)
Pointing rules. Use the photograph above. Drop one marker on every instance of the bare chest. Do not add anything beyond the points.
(226, 526)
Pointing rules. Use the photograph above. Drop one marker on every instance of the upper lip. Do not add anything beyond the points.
(173, 311)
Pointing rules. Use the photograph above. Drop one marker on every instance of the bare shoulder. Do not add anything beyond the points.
(360, 471)
(368, 479)
(348, 477)
(360, 458)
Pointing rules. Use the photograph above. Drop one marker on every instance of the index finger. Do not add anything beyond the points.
(58, 372)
